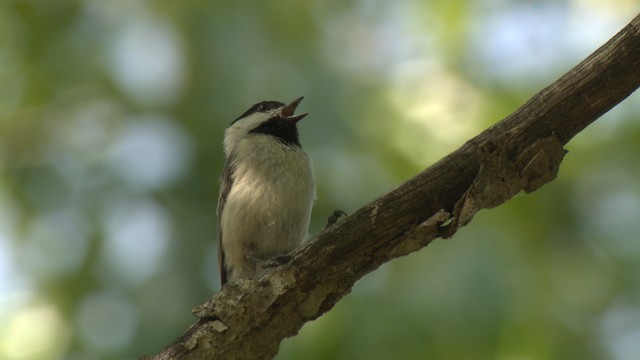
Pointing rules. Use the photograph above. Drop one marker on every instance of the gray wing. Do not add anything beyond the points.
(226, 180)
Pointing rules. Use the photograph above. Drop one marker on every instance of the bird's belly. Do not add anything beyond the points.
(262, 218)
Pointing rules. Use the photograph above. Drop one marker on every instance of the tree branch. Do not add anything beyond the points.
(248, 319)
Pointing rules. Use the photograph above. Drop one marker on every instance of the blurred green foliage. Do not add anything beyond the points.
(111, 122)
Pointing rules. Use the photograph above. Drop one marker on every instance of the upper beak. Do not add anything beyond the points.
(287, 111)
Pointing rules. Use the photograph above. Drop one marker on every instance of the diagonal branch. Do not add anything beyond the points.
(248, 319)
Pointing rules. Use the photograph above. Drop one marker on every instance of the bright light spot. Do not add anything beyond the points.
(440, 110)
(80, 137)
(146, 60)
(372, 39)
(609, 204)
(532, 43)
(12, 280)
(620, 331)
(36, 332)
(137, 236)
(106, 321)
(436, 109)
(151, 152)
(87, 129)
(605, 18)
(516, 43)
(56, 243)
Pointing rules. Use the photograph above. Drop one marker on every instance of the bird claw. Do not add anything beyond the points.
(275, 261)
(278, 260)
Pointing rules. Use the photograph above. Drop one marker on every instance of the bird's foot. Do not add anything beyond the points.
(276, 261)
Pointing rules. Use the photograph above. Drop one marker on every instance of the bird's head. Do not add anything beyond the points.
(266, 118)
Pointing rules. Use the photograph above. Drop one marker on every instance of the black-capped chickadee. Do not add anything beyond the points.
(267, 189)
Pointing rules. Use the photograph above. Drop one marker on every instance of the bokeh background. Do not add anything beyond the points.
(111, 122)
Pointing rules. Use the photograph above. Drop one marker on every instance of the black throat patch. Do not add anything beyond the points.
(279, 128)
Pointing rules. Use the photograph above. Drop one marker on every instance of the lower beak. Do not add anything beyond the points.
(287, 111)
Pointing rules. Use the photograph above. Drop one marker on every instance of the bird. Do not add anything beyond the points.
(267, 189)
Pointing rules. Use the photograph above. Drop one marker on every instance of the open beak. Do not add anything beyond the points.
(287, 111)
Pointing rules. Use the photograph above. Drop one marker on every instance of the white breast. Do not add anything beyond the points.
(269, 206)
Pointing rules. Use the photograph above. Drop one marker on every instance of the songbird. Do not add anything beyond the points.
(267, 189)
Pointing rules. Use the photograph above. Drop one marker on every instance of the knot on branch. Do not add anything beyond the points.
(501, 176)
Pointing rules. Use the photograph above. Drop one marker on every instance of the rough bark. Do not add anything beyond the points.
(248, 319)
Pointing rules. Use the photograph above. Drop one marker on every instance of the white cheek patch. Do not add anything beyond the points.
(252, 121)
(239, 130)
